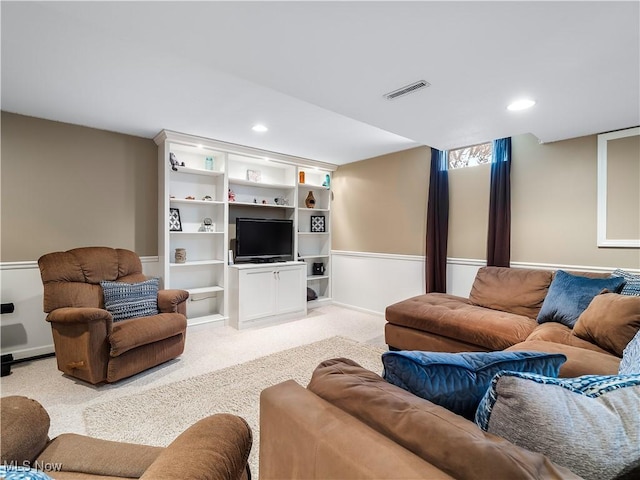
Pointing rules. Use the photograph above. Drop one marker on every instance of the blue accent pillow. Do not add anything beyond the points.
(10, 472)
(458, 381)
(632, 285)
(631, 356)
(131, 300)
(569, 296)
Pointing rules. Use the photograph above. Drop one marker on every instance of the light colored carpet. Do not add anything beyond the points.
(160, 414)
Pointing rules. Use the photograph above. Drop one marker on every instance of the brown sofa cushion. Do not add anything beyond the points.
(422, 427)
(559, 333)
(611, 320)
(133, 333)
(580, 361)
(513, 290)
(454, 317)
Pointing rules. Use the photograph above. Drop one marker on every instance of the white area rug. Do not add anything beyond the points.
(158, 415)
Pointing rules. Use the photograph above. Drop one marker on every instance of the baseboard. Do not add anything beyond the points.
(358, 309)
(31, 352)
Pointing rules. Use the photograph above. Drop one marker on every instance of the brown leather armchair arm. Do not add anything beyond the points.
(172, 301)
(71, 315)
(215, 448)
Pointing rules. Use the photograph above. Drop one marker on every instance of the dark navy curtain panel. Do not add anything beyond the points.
(499, 238)
(437, 223)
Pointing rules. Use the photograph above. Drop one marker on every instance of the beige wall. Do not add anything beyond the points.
(380, 204)
(66, 186)
(553, 188)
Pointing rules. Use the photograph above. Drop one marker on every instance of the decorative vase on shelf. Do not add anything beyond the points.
(301, 176)
(310, 201)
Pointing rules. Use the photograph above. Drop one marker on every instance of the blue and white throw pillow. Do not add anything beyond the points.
(9, 472)
(458, 381)
(631, 356)
(131, 300)
(589, 424)
(632, 287)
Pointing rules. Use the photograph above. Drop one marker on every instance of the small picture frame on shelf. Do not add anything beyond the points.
(254, 175)
(175, 225)
(317, 224)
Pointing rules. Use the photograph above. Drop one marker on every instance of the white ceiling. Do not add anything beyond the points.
(315, 72)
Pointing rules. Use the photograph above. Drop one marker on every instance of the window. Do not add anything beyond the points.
(470, 156)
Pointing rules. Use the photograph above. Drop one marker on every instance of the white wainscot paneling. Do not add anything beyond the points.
(461, 273)
(25, 332)
(372, 281)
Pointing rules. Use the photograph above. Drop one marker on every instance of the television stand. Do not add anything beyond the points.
(263, 293)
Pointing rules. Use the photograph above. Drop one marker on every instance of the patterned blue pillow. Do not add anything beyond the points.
(569, 295)
(589, 424)
(590, 385)
(631, 356)
(632, 287)
(458, 381)
(131, 300)
(9, 472)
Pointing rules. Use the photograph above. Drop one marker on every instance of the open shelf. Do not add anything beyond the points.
(317, 277)
(198, 202)
(200, 290)
(240, 181)
(197, 171)
(251, 204)
(197, 263)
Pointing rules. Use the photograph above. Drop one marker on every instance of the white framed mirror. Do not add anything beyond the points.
(619, 189)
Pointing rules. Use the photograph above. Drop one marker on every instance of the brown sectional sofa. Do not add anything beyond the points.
(500, 314)
(350, 423)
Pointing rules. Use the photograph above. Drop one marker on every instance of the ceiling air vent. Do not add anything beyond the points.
(415, 86)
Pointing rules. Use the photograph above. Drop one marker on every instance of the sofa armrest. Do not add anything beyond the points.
(172, 301)
(216, 447)
(25, 428)
(79, 453)
(304, 436)
(70, 315)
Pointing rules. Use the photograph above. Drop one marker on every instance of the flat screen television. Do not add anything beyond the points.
(261, 240)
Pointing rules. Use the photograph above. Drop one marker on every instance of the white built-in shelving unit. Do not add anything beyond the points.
(242, 182)
(315, 246)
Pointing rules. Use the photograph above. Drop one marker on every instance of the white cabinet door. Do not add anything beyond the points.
(291, 288)
(257, 291)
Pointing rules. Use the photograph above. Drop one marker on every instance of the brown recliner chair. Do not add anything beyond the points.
(215, 448)
(89, 345)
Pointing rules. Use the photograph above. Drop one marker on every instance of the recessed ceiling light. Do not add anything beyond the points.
(521, 105)
(259, 128)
